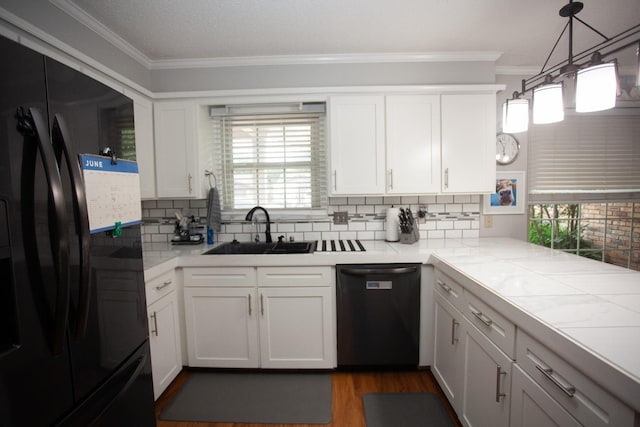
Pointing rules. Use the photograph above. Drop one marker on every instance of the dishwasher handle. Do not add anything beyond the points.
(367, 271)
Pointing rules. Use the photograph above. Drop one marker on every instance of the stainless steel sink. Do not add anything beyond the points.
(253, 248)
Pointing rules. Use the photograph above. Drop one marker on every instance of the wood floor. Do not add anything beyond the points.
(348, 388)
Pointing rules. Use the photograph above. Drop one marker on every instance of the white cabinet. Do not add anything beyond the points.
(356, 126)
(468, 141)
(567, 387)
(448, 351)
(413, 144)
(164, 331)
(222, 329)
(531, 406)
(143, 117)
(176, 149)
(269, 317)
(487, 381)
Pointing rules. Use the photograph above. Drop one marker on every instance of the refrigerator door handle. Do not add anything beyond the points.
(33, 126)
(60, 138)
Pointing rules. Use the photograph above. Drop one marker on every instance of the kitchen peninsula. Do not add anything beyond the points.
(582, 314)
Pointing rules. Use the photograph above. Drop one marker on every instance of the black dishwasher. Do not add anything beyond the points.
(378, 315)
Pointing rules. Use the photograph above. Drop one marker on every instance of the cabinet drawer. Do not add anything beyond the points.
(582, 398)
(160, 286)
(227, 276)
(495, 326)
(296, 276)
(449, 289)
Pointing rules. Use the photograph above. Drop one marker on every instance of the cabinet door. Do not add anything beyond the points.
(164, 339)
(143, 116)
(487, 379)
(175, 127)
(468, 140)
(413, 144)
(222, 329)
(296, 327)
(448, 354)
(531, 406)
(357, 144)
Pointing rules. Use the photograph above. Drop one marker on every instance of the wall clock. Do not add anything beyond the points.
(507, 148)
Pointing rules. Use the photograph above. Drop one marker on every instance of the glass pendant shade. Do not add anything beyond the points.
(596, 88)
(515, 115)
(548, 104)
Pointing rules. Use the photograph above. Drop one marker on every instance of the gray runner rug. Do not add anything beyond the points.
(262, 398)
(405, 410)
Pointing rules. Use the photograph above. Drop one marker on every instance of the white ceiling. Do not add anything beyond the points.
(522, 31)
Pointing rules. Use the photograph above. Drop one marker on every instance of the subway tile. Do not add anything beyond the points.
(364, 209)
(374, 225)
(468, 234)
(471, 207)
(181, 204)
(157, 213)
(435, 234)
(151, 229)
(425, 200)
(339, 227)
(410, 200)
(462, 225)
(200, 203)
(392, 200)
(303, 226)
(379, 235)
(438, 208)
(244, 237)
(366, 235)
(453, 207)
(149, 204)
(330, 235)
(444, 225)
(321, 226)
(444, 198)
(355, 200)
(345, 235)
(296, 237)
(349, 208)
(337, 200)
(462, 198)
(312, 235)
(286, 227)
(237, 228)
(165, 204)
(475, 198)
(161, 238)
(358, 225)
(374, 200)
(167, 229)
(453, 234)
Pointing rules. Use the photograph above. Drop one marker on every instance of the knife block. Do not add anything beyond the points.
(412, 237)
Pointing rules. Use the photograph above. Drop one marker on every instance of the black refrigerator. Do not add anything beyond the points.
(74, 348)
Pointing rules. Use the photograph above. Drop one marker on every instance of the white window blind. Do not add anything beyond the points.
(275, 160)
(585, 154)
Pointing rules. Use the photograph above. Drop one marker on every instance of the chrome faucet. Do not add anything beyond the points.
(267, 231)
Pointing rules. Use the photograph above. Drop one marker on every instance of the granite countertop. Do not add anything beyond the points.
(587, 311)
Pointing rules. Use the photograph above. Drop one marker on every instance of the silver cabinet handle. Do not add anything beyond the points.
(190, 180)
(548, 372)
(499, 373)
(444, 286)
(335, 180)
(164, 285)
(484, 319)
(446, 178)
(262, 305)
(390, 179)
(249, 299)
(454, 324)
(154, 316)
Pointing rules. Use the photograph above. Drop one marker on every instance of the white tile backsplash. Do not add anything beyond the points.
(448, 216)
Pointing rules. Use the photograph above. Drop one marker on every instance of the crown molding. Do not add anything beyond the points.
(93, 24)
(529, 70)
(351, 58)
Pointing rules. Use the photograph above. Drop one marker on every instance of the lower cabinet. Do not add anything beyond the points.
(448, 355)
(531, 406)
(285, 327)
(164, 331)
(487, 380)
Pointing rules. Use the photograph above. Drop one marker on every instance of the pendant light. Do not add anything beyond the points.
(596, 86)
(515, 115)
(548, 102)
(596, 80)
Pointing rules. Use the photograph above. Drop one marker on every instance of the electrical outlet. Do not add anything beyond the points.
(488, 221)
(341, 217)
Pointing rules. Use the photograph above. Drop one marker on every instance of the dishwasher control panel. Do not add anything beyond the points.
(377, 284)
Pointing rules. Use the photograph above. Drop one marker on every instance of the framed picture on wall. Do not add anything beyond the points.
(509, 197)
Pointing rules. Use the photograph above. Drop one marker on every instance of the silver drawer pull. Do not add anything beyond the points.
(499, 373)
(484, 319)
(444, 286)
(548, 372)
(154, 316)
(164, 285)
(454, 324)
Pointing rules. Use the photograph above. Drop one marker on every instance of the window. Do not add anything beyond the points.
(584, 187)
(275, 160)
(608, 232)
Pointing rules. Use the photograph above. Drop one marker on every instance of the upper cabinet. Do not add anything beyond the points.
(468, 141)
(176, 148)
(412, 144)
(356, 126)
(143, 116)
